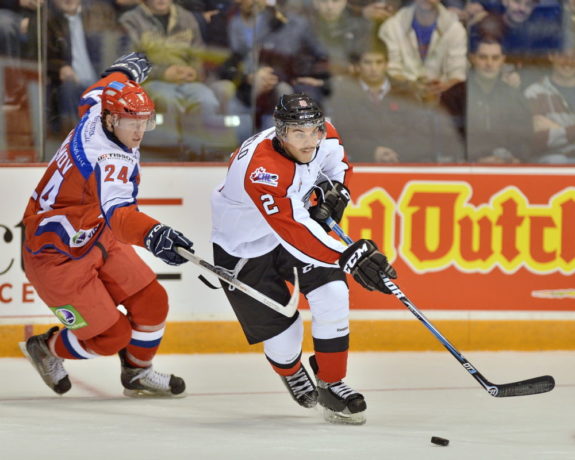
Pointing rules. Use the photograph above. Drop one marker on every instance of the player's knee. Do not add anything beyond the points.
(113, 339)
(285, 348)
(148, 306)
(329, 303)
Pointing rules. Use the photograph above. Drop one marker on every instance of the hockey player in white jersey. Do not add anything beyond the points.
(263, 227)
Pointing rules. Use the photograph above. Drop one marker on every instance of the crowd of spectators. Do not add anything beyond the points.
(421, 81)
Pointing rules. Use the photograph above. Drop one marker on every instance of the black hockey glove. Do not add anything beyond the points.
(331, 202)
(162, 242)
(135, 65)
(367, 265)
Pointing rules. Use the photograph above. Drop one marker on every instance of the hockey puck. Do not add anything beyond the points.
(439, 441)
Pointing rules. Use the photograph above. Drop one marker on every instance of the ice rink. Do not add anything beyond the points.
(237, 408)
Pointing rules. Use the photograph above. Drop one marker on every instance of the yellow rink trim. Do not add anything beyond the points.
(374, 335)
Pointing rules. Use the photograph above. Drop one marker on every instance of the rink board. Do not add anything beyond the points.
(496, 241)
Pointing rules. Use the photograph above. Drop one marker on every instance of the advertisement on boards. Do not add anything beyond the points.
(461, 238)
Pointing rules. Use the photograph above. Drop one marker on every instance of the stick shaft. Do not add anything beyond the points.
(532, 386)
(286, 310)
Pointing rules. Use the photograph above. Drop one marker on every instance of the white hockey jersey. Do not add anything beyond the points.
(265, 198)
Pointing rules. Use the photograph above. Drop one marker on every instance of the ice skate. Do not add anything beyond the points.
(301, 388)
(145, 382)
(49, 367)
(341, 404)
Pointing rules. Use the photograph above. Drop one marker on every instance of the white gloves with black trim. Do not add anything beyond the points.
(135, 65)
(367, 265)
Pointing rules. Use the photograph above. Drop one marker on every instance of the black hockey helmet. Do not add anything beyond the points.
(297, 110)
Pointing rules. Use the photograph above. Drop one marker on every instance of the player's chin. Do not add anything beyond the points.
(307, 155)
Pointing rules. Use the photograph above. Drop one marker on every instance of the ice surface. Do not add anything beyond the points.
(237, 408)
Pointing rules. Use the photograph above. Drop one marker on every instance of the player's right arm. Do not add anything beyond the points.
(269, 182)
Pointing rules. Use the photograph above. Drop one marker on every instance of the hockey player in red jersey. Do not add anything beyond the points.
(263, 227)
(80, 224)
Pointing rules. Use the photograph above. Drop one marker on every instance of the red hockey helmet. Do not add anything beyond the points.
(128, 100)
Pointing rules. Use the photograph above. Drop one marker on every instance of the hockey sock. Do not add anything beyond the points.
(143, 347)
(147, 312)
(331, 357)
(64, 344)
(286, 369)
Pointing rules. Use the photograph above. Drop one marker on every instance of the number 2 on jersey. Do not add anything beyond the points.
(269, 204)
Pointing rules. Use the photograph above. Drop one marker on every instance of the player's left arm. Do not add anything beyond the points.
(117, 177)
(332, 189)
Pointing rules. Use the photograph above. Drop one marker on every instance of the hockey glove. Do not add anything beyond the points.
(135, 65)
(331, 202)
(162, 241)
(367, 265)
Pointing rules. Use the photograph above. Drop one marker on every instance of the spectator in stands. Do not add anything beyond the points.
(379, 123)
(170, 36)
(82, 38)
(14, 17)
(569, 23)
(341, 33)
(552, 102)
(280, 49)
(375, 11)
(427, 47)
(121, 6)
(489, 109)
(527, 29)
(213, 17)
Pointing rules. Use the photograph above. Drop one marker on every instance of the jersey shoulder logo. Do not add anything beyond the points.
(261, 176)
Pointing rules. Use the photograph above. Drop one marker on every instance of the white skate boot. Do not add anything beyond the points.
(146, 382)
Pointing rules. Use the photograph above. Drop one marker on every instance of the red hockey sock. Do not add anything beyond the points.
(147, 311)
(332, 366)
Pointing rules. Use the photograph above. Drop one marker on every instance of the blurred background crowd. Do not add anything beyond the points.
(424, 81)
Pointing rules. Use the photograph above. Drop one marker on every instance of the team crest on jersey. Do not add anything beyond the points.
(261, 176)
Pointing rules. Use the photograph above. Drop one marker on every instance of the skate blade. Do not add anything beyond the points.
(24, 351)
(147, 394)
(341, 418)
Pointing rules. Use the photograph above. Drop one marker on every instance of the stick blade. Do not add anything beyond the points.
(533, 386)
(292, 305)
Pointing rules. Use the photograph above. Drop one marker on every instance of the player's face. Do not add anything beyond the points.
(301, 142)
(372, 68)
(330, 10)
(518, 11)
(129, 131)
(488, 60)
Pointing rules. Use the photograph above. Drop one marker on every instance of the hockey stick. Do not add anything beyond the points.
(286, 310)
(532, 386)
